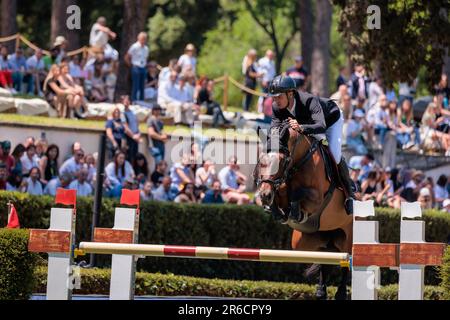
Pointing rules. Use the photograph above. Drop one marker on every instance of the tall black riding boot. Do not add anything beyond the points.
(348, 185)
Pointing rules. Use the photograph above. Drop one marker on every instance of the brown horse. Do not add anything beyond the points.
(300, 177)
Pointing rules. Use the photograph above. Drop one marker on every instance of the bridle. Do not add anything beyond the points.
(274, 182)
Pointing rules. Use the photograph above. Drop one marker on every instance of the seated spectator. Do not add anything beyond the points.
(381, 124)
(233, 183)
(55, 95)
(205, 175)
(29, 160)
(41, 148)
(3, 176)
(214, 195)
(76, 70)
(446, 206)
(84, 189)
(151, 85)
(407, 126)
(355, 128)
(110, 75)
(425, 199)
(164, 75)
(186, 195)
(19, 67)
(73, 165)
(6, 80)
(118, 171)
(140, 167)
(51, 60)
(36, 73)
(76, 97)
(413, 187)
(164, 191)
(5, 157)
(440, 190)
(347, 107)
(370, 187)
(181, 173)
(185, 111)
(17, 154)
(146, 192)
(431, 137)
(156, 137)
(205, 99)
(91, 166)
(115, 132)
(32, 184)
(14, 181)
(159, 173)
(98, 92)
(48, 164)
(63, 181)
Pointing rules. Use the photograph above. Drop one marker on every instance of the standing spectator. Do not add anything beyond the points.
(6, 80)
(157, 138)
(188, 61)
(115, 132)
(17, 154)
(342, 78)
(5, 157)
(19, 66)
(347, 107)
(61, 44)
(375, 91)
(29, 160)
(136, 58)
(32, 184)
(355, 129)
(186, 195)
(164, 191)
(100, 36)
(205, 175)
(440, 190)
(140, 167)
(266, 66)
(251, 75)
(299, 74)
(73, 164)
(35, 73)
(118, 171)
(53, 185)
(132, 133)
(84, 189)
(359, 83)
(233, 183)
(146, 192)
(214, 195)
(48, 164)
(151, 85)
(159, 173)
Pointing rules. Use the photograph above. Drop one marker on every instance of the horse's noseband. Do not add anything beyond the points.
(277, 182)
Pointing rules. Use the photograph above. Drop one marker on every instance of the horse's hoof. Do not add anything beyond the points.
(321, 293)
(341, 294)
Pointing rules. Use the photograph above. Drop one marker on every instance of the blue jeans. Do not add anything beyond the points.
(357, 145)
(382, 130)
(17, 81)
(158, 153)
(138, 76)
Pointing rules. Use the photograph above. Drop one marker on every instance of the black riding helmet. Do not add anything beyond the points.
(281, 84)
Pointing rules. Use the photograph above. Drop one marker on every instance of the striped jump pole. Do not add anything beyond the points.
(263, 255)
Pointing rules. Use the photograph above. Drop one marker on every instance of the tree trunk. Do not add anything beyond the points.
(8, 14)
(73, 36)
(446, 67)
(321, 52)
(132, 22)
(59, 24)
(144, 14)
(306, 31)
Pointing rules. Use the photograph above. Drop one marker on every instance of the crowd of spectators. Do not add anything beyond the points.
(37, 168)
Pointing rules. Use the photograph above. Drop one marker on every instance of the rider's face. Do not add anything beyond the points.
(282, 101)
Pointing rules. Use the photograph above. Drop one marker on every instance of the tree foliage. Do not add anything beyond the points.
(413, 33)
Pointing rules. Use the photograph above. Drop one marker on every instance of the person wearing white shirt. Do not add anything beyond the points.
(266, 66)
(99, 38)
(32, 185)
(381, 119)
(440, 189)
(119, 170)
(375, 91)
(35, 72)
(205, 175)
(136, 58)
(72, 165)
(188, 61)
(186, 110)
(84, 189)
(29, 160)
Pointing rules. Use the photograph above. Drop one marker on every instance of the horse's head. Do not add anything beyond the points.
(269, 174)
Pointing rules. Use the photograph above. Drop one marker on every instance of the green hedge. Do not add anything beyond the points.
(218, 226)
(96, 282)
(445, 274)
(17, 265)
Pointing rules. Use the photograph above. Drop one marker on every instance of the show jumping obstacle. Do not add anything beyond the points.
(368, 256)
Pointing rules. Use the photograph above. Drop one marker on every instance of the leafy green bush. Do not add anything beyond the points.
(97, 281)
(216, 226)
(445, 274)
(17, 265)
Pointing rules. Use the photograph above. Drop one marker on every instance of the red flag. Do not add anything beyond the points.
(13, 219)
(67, 197)
(130, 197)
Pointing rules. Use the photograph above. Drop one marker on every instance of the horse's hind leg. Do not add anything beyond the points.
(341, 293)
(321, 291)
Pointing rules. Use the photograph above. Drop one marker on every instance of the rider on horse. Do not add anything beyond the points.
(310, 115)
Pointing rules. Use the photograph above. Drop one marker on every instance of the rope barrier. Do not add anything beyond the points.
(248, 90)
(9, 38)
